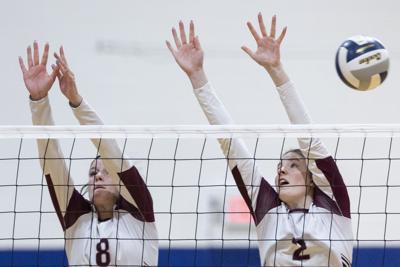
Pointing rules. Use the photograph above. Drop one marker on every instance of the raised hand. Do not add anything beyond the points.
(66, 79)
(36, 79)
(268, 47)
(188, 54)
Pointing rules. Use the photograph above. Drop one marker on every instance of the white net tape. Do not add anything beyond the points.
(196, 131)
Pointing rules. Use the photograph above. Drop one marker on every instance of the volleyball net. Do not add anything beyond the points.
(201, 217)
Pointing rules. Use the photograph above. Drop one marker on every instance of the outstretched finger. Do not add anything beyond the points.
(55, 72)
(253, 32)
(170, 47)
(55, 68)
(22, 65)
(196, 43)
(191, 32)
(182, 32)
(273, 27)
(29, 56)
(262, 25)
(62, 54)
(282, 35)
(45, 54)
(63, 68)
(35, 53)
(61, 60)
(176, 38)
(58, 57)
(248, 51)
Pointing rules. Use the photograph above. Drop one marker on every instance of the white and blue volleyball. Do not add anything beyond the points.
(362, 62)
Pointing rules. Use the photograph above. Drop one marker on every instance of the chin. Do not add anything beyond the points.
(288, 196)
(102, 196)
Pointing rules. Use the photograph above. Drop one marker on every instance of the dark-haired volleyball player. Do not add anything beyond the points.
(115, 227)
(306, 221)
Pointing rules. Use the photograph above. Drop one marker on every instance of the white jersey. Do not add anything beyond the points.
(318, 236)
(129, 238)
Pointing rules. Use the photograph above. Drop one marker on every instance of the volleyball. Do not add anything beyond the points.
(362, 62)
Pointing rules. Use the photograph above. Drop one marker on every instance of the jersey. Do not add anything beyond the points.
(130, 237)
(320, 235)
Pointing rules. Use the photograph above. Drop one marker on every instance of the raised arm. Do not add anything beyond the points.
(38, 83)
(325, 172)
(134, 190)
(189, 56)
(268, 56)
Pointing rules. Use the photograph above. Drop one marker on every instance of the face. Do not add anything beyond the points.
(293, 179)
(101, 189)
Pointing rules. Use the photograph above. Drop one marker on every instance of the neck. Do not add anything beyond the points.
(303, 203)
(104, 212)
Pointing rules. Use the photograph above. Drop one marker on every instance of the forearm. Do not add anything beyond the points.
(48, 148)
(234, 149)
(50, 154)
(107, 148)
(41, 111)
(293, 104)
(198, 78)
(278, 75)
(298, 114)
(75, 101)
(212, 106)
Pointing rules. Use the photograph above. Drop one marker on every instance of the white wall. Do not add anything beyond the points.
(146, 87)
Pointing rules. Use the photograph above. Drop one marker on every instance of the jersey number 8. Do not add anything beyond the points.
(103, 256)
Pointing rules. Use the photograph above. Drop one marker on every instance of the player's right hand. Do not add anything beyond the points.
(36, 79)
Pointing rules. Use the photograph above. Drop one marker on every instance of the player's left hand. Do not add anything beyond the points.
(66, 79)
(188, 52)
(268, 47)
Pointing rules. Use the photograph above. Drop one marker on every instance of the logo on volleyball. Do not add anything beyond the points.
(362, 62)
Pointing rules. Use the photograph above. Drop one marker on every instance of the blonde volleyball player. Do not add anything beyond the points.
(306, 220)
(115, 227)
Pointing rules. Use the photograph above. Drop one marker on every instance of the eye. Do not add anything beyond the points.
(92, 173)
(293, 165)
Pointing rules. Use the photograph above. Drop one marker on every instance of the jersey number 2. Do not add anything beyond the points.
(103, 256)
(298, 253)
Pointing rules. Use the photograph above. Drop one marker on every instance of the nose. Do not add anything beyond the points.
(282, 170)
(98, 177)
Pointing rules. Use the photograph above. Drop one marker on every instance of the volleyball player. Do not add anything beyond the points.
(115, 227)
(306, 220)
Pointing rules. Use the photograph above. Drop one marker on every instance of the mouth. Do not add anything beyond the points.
(283, 182)
(99, 187)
